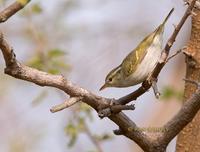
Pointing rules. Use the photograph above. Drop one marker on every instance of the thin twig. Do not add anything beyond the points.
(175, 54)
(68, 103)
(155, 89)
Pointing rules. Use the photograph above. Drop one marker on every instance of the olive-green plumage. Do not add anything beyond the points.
(137, 65)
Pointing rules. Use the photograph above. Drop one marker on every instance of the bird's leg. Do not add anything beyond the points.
(155, 88)
(113, 108)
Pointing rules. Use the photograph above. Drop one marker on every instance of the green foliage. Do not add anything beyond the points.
(78, 125)
(31, 10)
(36, 62)
(52, 61)
(73, 128)
(23, 2)
(36, 8)
(72, 131)
(2, 1)
(170, 92)
(53, 71)
(87, 110)
(103, 137)
(55, 53)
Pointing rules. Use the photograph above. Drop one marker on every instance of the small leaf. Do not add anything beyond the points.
(54, 71)
(87, 110)
(81, 124)
(167, 92)
(61, 64)
(55, 53)
(36, 62)
(71, 131)
(23, 2)
(36, 8)
(103, 137)
(170, 92)
(72, 141)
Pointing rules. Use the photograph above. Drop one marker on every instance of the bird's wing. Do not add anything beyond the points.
(137, 55)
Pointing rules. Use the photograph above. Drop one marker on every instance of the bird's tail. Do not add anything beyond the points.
(169, 14)
(160, 28)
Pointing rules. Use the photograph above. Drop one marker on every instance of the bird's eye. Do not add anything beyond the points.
(110, 79)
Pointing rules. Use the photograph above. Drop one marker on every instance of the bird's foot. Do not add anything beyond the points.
(113, 108)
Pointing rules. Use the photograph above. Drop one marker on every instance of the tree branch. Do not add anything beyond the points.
(175, 54)
(181, 119)
(113, 109)
(68, 103)
(17, 70)
(12, 9)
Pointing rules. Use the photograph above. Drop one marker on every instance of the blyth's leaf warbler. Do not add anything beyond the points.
(139, 63)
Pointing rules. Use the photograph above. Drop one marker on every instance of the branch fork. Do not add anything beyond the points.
(114, 109)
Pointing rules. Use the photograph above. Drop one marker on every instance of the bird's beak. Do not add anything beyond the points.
(103, 87)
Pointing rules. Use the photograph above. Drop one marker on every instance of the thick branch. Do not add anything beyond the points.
(8, 53)
(181, 119)
(130, 130)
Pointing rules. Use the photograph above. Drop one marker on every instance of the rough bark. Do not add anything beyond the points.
(188, 139)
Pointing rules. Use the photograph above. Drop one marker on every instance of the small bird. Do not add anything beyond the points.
(139, 63)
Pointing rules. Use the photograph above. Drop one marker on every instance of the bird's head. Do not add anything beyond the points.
(113, 79)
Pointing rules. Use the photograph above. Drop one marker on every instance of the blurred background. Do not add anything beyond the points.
(83, 40)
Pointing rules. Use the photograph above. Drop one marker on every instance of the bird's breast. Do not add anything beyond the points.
(148, 63)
